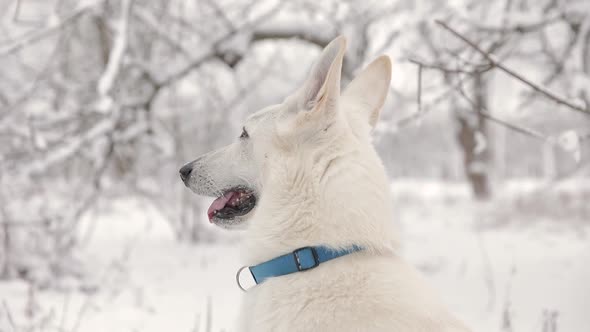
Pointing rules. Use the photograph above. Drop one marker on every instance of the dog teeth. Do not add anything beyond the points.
(239, 198)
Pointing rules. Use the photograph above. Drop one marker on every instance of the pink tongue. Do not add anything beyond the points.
(219, 204)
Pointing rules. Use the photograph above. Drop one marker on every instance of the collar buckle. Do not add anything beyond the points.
(306, 258)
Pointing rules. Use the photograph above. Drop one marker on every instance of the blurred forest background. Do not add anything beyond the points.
(101, 102)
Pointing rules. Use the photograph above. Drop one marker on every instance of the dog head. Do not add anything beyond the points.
(280, 143)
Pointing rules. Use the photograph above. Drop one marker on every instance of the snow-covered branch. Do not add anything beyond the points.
(318, 34)
(71, 146)
(151, 22)
(212, 52)
(106, 81)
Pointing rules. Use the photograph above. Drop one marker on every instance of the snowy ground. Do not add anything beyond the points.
(496, 271)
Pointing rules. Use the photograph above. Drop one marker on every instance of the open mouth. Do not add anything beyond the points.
(233, 203)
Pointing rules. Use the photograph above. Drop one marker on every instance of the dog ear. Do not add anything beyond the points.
(321, 90)
(370, 87)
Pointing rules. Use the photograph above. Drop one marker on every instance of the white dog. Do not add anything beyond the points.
(305, 174)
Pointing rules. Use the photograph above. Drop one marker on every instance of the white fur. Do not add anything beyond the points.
(320, 182)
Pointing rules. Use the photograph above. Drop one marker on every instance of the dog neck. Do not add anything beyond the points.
(339, 200)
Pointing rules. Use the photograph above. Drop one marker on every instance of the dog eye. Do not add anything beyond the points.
(244, 133)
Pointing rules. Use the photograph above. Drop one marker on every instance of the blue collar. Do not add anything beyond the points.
(301, 259)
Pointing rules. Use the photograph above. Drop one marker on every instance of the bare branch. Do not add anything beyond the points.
(485, 113)
(478, 69)
(42, 34)
(492, 59)
(150, 21)
(9, 316)
(586, 51)
(430, 106)
(221, 14)
(419, 94)
(518, 27)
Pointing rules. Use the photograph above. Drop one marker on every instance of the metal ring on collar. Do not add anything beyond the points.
(238, 279)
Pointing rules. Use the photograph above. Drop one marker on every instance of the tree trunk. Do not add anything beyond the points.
(473, 140)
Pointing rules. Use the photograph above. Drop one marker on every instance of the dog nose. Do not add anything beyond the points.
(185, 172)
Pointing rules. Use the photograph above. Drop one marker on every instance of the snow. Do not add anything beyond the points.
(529, 274)
(570, 141)
(146, 281)
(482, 272)
(515, 264)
